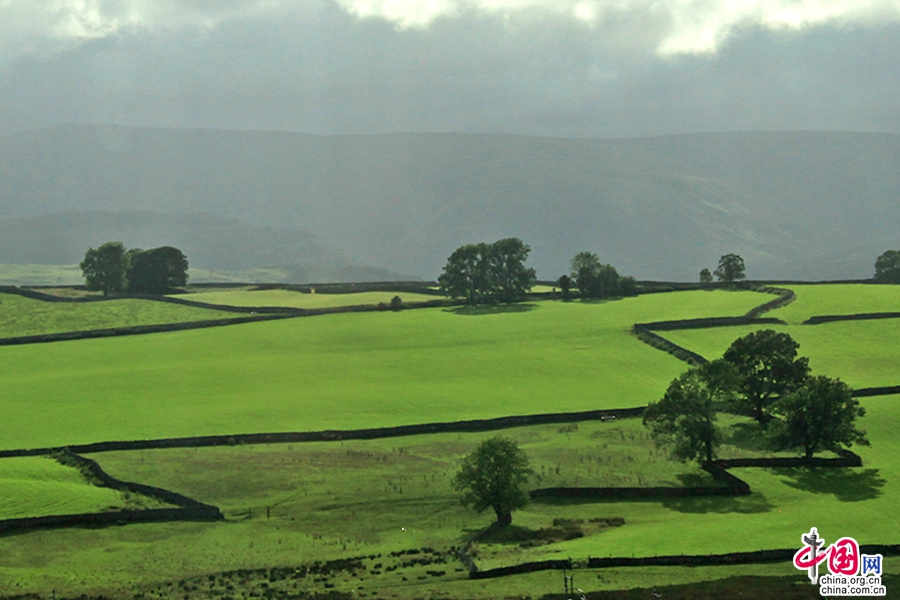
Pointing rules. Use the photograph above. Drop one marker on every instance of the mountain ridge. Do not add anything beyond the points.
(794, 204)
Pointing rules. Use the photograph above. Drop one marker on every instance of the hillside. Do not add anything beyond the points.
(794, 204)
(228, 247)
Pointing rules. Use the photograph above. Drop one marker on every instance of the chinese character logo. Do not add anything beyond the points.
(843, 557)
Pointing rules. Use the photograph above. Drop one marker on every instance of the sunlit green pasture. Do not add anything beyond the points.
(346, 371)
(21, 316)
(861, 353)
(292, 299)
(38, 486)
(333, 500)
(838, 299)
(11, 274)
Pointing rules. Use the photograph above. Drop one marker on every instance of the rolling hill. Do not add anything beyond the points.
(813, 205)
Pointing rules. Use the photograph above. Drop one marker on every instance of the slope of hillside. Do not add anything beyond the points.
(656, 207)
(211, 243)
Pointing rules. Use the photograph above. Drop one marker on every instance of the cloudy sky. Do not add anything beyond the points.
(571, 68)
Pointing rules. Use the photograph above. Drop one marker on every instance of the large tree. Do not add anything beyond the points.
(685, 418)
(731, 268)
(767, 367)
(887, 267)
(106, 268)
(510, 279)
(158, 270)
(488, 272)
(492, 476)
(820, 415)
(586, 274)
(466, 273)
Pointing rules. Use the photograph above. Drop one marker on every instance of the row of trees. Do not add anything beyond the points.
(113, 268)
(760, 375)
(594, 279)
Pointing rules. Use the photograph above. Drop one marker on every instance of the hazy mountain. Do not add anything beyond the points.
(810, 204)
(211, 242)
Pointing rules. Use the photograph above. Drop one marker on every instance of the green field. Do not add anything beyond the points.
(838, 299)
(346, 371)
(21, 316)
(294, 504)
(291, 299)
(25, 275)
(862, 353)
(37, 486)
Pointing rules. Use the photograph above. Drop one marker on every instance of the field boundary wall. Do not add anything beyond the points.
(852, 317)
(187, 509)
(474, 425)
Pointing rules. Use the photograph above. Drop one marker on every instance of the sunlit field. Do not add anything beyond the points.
(292, 299)
(838, 299)
(20, 316)
(346, 371)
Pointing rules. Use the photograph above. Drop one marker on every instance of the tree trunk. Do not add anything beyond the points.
(504, 517)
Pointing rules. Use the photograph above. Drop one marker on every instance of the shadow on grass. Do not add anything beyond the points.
(491, 309)
(747, 436)
(847, 485)
(754, 503)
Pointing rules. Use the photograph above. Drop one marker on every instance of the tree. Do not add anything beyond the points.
(685, 418)
(586, 274)
(106, 268)
(465, 274)
(509, 279)
(158, 270)
(488, 272)
(597, 280)
(492, 476)
(731, 268)
(565, 286)
(705, 276)
(887, 267)
(820, 415)
(767, 367)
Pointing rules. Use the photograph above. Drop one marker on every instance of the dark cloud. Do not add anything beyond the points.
(320, 69)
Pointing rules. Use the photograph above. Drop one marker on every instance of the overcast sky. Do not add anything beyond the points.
(571, 68)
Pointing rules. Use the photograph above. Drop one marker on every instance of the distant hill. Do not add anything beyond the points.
(223, 248)
(794, 204)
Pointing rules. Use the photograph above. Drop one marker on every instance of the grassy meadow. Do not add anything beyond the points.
(292, 299)
(838, 299)
(39, 486)
(295, 504)
(346, 371)
(21, 316)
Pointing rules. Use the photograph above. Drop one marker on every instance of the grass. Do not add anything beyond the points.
(861, 353)
(329, 501)
(346, 371)
(838, 299)
(38, 486)
(291, 299)
(20, 316)
(25, 275)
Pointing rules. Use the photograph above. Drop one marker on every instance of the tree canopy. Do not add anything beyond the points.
(820, 415)
(488, 272)
(597, 280)
(731, 268)
(887, 267)
(705, 276)
(106, 268)
(685, 418)
(767, 367)
(158, 270)
(492, 476)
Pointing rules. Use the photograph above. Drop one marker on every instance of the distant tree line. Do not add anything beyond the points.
(594, 279)
(113, 268)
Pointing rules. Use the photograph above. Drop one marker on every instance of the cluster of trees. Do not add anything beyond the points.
(594, 279)
(488, 272)
(887, 267)
(731, 268)
(760, 375)
(113, 268)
